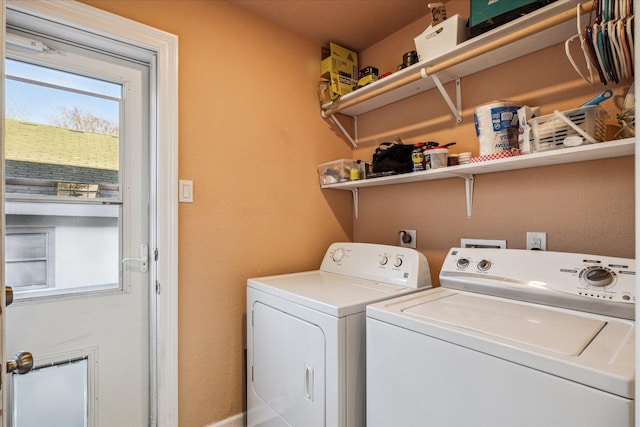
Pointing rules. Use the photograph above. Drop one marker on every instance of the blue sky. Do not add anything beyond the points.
(36, 103)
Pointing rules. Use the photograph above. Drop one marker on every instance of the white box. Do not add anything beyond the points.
(441, 38)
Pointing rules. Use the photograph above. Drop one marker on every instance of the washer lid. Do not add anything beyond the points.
(591, 349)
(560, 332)
(330, 293)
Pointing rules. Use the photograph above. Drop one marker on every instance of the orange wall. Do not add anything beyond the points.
(251, 137)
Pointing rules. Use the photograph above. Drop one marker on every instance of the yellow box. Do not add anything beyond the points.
(339, 60)
(369, 78)
(340, 85)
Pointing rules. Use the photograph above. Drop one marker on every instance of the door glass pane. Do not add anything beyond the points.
(62, 133)
(62, 136)
(55, 395)
(61, 248)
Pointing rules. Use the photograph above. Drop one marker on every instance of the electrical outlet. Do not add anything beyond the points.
(407, 238)
(536, 241)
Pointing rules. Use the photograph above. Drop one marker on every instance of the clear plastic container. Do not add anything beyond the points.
(438, 157)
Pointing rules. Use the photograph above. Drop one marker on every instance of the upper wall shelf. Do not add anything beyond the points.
(604, 150)
(545, 27)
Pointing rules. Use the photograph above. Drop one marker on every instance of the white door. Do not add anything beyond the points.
(77, 230)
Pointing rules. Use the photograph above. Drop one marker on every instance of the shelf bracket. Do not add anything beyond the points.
(455, 109)
(468, 191)
(352, 139)
(354, 191)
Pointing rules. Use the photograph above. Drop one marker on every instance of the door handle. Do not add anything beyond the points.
(22, 364)
(308, 382)
(8, 295)
(143, 260)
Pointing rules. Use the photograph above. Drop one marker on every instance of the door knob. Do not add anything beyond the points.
(22, 364)
(8, 295)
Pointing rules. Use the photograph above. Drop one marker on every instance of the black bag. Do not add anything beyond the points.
(391, 157)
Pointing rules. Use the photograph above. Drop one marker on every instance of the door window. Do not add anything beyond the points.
(62, 175)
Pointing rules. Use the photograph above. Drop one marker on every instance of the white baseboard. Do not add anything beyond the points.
(235, 421)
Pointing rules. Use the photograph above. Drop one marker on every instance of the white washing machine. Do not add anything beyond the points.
(306, 334)
(511, 338)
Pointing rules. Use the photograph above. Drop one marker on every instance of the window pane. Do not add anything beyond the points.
(26, 273)
(62, 133)
(26, 246)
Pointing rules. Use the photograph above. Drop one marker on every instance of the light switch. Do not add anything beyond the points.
(186, 191)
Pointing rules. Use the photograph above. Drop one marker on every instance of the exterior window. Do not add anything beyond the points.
(28, 260)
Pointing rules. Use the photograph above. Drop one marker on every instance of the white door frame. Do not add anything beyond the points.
(3, 305)
(164, 148)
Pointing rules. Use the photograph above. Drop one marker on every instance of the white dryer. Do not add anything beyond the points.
(512, 338)
(306, 334)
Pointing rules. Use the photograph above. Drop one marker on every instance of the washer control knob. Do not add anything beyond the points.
(463, 263)
(384, 259)
(337, 254)
(397, 262)
(597, 276)
(484, 265)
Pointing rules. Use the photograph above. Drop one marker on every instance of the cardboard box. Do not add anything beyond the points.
(441, 38)
(340, 85)
(343, 60)
(338, 65)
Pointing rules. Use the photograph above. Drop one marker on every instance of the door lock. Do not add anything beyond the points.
(22, 364)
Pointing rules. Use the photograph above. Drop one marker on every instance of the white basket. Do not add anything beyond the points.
(549, 132)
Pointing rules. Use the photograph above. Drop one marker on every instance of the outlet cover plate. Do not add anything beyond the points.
(483, 243)
(536, 240)
(412, 243)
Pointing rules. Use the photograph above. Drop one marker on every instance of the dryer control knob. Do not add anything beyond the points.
(398, 262)
(337, 254)
(462, 263)
(484, 265)
(597, 276)
(384, 259)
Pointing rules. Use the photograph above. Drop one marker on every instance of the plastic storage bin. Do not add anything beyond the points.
(441, 38)
(550, 131)
(335, 171)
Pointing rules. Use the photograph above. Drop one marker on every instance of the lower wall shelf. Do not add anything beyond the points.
(603, 150)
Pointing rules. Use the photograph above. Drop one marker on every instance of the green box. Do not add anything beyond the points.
(488, 14)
